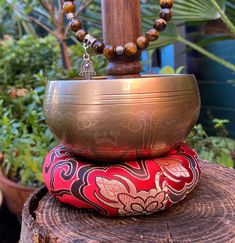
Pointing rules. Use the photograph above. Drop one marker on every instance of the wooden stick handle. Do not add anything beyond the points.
(121, 24)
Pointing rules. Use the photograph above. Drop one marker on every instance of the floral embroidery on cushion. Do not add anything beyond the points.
(130, 202)
(129, 188)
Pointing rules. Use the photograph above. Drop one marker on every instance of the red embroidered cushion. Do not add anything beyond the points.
(131, 188)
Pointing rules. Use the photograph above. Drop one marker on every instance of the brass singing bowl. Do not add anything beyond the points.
(122, 119)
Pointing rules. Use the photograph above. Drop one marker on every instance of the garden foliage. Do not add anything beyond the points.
(24, 137)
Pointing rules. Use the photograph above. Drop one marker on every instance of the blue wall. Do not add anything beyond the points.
(217, 93)
(166, 59)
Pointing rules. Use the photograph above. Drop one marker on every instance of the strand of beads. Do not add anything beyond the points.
(130, 48)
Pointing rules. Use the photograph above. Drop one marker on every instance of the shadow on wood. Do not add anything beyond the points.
(9, 224)
(1, 199)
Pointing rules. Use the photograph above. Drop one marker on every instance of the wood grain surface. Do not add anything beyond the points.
(206, 215)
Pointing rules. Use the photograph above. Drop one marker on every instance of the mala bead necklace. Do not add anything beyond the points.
(109, 51)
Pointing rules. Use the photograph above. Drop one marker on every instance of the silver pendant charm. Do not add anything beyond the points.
(87, 70)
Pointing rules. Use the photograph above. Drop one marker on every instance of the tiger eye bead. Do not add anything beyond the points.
(166, 14)
(69, 7)
(75, 25)
(80, 35)
(152, 34)
(142, 42)
(98, 47)
(166, 3)
(159, 24)
(109, 51)
(130, 49)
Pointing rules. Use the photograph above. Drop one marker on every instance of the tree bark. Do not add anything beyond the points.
(59, 30)
(65, 54)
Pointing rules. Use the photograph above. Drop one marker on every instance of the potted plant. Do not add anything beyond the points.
(24, 141)
(24, 137)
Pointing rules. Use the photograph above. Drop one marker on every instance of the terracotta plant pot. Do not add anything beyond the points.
(14, 194)
(122, 119)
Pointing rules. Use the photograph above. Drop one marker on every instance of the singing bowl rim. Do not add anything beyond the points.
(129, 77)
(104, 87)
(141, 77)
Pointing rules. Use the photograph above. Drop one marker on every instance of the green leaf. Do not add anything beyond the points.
(167, 70)
(196, 10)
(180, 69)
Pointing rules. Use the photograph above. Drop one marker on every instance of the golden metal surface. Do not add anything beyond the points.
(124, 119)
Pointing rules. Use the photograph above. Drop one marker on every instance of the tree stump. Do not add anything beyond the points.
(206, 215)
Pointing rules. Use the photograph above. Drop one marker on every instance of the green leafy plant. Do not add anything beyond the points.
(13, 20)
(24, 137)
(218, 149)
(22, 60)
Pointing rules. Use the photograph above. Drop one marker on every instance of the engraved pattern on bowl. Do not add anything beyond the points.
(124, 119)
